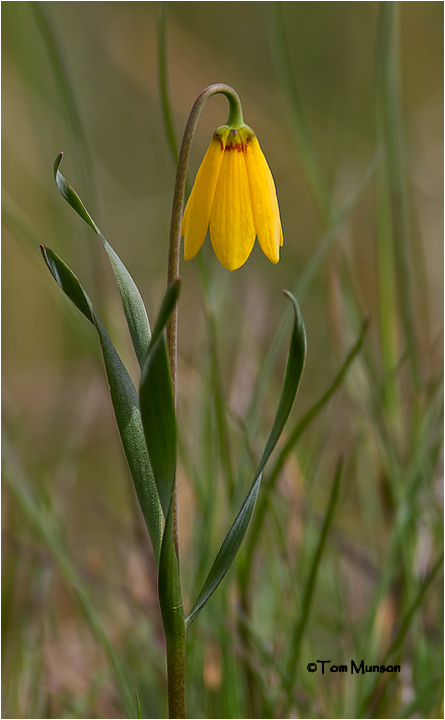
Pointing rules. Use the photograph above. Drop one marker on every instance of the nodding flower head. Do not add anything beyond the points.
(234, 193)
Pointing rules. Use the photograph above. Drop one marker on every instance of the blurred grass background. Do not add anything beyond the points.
(347, 101)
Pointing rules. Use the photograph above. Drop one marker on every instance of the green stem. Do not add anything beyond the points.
(235, 114)
(175, 632)
(176, 675)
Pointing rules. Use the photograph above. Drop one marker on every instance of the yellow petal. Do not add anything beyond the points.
(197, 213)
(266, 213)
(232, 229)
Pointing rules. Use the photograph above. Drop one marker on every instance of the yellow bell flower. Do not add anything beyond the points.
(234, 192)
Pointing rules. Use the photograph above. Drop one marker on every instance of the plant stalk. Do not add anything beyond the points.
(176, 676)
(235, 114)
(175, 639)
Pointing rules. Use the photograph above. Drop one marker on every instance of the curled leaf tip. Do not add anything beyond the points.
(57, 162)
(44, 251)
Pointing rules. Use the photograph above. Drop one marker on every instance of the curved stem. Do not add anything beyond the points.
(176, 640)
(235, 118)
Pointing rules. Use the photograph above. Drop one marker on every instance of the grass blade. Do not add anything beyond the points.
(286, 75)
(391, 135)
(295, 640)
(43, 524)
(163, 82)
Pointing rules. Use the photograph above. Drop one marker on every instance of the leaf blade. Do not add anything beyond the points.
(232, 543)
(124, 398)
(227, 551)
(157, 403)
(169, 586)
(133, 305)
(292, 378)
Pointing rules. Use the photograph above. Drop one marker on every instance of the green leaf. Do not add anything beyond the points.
(157, 403)
(169, 586)
(132, 302)
(235, 536)
(227, 551)
(124, 397)
(292, 378)
(169, 301)
(69, 283)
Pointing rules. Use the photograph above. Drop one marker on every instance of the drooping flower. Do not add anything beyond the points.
(234, 193)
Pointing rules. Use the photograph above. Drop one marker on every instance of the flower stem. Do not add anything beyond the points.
(235, 115)
(176, 639)
(176, 675)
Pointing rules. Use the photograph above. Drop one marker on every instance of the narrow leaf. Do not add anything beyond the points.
(169, 301)
(232, 543)
(169, 586)
(292, 378)
(124, 398)
(132, 302)
(227, 552)
(69, 283)
(157, 404)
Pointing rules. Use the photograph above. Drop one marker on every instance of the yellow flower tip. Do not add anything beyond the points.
(195, 221)
(234, 193)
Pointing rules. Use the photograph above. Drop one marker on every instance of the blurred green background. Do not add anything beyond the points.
(347, 102)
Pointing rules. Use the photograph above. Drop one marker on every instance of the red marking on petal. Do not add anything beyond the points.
(236, 146)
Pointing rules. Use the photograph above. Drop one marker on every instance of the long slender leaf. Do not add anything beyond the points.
(292, 438)
(227, 551)
(292, 378)
(301, 425)
(132, 302)
(235, 536)
(169, 301)
(157, 403)
(124, 397)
